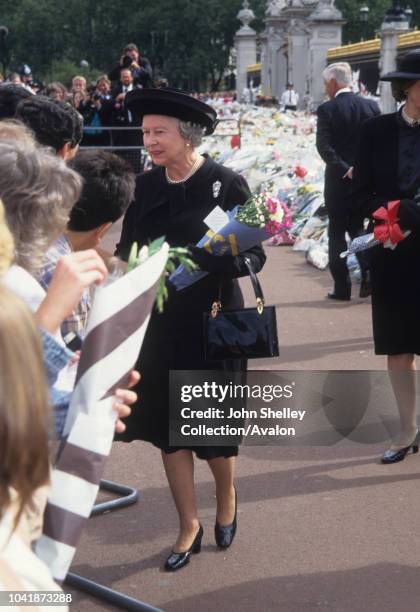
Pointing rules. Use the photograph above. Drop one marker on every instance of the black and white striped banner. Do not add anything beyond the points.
(115, 331)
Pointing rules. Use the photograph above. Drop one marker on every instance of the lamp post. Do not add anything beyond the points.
(364, 16)
(409, 14)
(397, 16)
(4, 51)
(159, 42)
(84, 65)
(394, 23)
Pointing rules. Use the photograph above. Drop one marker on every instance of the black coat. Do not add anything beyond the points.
(395, 288)
(337, 139)
(173, 339)
(122, 118)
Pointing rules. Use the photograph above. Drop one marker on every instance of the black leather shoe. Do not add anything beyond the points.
(365, 287)
(177, 560)
(224, 534)
(393, 456)
(341, 298)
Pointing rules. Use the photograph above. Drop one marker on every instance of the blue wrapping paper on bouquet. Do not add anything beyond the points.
(232, 239)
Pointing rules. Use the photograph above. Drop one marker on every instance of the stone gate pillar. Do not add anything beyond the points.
(246, 47)
(395, 22)
(275, 59)
(325, 32)
(298, 60)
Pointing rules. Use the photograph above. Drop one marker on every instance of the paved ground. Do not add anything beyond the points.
(322, 528)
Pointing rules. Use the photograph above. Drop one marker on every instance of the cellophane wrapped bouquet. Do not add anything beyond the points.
(259, 218)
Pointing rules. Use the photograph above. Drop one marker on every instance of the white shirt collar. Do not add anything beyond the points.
(409, 120)
(343, 90)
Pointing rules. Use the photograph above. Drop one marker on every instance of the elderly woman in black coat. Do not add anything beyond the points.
(387, 169)
(173, 200)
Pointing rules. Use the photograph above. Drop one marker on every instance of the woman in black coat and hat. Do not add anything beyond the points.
(173, 200)
(388, 169)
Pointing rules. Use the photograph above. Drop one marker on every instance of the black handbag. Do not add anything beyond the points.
(248, 333)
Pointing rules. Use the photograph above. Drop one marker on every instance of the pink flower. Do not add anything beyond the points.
(271, 206)
(287, 221)
(273, 227)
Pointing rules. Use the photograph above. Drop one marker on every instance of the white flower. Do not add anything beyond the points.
(262, 218)
(278, 215)
(143, 254)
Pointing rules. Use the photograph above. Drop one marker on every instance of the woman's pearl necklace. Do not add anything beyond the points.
(196, 165)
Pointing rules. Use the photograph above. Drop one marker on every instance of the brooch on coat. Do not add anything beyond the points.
(216, 189)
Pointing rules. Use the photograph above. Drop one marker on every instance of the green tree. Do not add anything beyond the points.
(353, 31)
(188, 41)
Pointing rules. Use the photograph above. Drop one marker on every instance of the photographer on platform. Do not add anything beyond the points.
(140, 67)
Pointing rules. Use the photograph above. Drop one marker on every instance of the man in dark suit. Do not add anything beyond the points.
(128, 142)
(337, 138)
(126, 84)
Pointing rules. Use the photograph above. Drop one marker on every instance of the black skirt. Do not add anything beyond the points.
(172, 342)
(396, 297)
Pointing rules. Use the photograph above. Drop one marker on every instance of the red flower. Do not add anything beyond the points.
(235, 141)
(389, 230)
(300, 171)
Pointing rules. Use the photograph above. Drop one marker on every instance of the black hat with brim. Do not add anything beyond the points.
(171, 103)
(408, 68)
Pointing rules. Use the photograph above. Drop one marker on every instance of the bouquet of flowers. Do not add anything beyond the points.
(266, 213)
(283, 236)
(261, 217)
(175, 254)
(387, 232)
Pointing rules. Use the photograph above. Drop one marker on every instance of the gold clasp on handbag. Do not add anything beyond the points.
(215, 308)
(260, 305)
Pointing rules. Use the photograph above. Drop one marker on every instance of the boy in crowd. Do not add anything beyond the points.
(55, 124)
(108, 189)
(10, 96)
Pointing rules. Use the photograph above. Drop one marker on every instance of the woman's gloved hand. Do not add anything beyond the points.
(207, 262)
(227, 266)
(409, 215)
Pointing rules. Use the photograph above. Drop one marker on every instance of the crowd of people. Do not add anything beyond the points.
(54, 209)
(56, 205)
(101, 102)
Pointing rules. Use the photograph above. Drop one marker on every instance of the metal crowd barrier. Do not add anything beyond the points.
(124, 141)
(121, 601)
